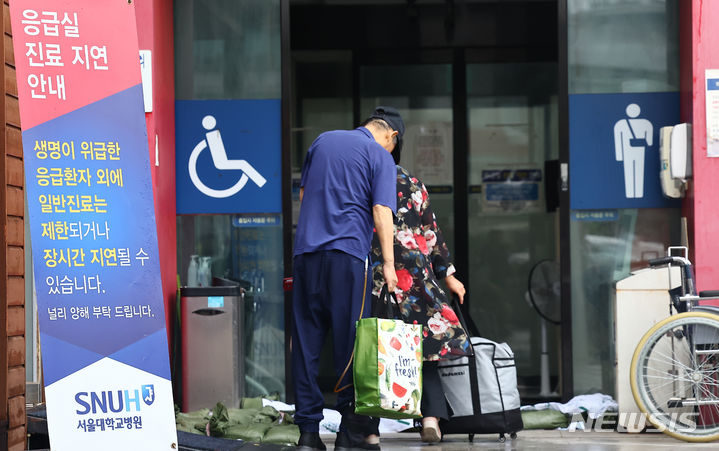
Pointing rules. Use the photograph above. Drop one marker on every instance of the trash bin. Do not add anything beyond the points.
(213, 358)
(642, 300)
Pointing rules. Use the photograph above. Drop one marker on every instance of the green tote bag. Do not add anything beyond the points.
(388, 366)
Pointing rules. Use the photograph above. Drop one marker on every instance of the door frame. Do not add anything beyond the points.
(458, 57)
(286, 108)
(567, 360)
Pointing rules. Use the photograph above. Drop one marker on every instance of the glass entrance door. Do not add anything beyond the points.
(423, 94)
(512, 222)
(511, 131)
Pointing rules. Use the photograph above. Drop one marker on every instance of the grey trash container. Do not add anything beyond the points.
(213, 358)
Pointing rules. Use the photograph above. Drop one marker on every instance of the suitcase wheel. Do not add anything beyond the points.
(513, 436)
(502, 438)
(471, 438)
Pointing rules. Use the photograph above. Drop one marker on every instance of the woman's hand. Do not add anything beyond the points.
(456, 287)
(390, 276)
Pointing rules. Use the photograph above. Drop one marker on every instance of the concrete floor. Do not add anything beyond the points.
(539, 440)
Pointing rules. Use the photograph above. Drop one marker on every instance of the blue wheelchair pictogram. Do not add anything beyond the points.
(213, 140)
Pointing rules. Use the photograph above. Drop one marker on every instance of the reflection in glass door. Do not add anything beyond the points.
(513, 129)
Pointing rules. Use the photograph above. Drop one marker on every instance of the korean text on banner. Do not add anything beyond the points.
(92, 224)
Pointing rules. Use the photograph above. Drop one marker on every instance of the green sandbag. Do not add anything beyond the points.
(201, 427)
(251, 403)
(268, 414)
(286, 418)
(192, 417)
(544, 419)
(282, 435)
(184, 427)
(250, 432)
(219, 420)
(189, 421)
(241, 416)
(194, 422)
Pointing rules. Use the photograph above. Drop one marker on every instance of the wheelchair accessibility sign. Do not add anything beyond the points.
(228, 156)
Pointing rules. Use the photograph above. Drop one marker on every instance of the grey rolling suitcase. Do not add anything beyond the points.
(481, 390)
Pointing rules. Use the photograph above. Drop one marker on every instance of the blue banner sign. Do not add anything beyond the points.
(95, 255)
(228, 157)
(614, 149)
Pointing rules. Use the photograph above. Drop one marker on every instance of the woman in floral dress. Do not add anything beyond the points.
(421, 259)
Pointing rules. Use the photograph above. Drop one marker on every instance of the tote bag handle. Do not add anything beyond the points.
(386, 306)
(458, 310)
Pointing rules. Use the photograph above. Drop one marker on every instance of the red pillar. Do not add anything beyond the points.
(155, 33)
(699, 41)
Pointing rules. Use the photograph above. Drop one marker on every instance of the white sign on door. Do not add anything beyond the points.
(146, 73)
(712, 106)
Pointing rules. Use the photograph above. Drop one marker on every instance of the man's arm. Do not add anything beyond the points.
(384, 225)
(618, 142)
(649, 132)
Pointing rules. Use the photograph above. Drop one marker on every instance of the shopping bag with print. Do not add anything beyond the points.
(388, 365)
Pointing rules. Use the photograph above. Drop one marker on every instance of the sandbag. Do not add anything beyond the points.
(544, 419)
(241, 416)
(267, 414)
(194, 422)
(219, 420)
(186, 427)
(251, 403)
(282, 435)
(250, 432)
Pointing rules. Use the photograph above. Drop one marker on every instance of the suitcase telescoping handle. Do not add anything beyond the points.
(386, 305)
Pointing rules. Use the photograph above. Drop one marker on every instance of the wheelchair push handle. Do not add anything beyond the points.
(686, 271)
(674, 260)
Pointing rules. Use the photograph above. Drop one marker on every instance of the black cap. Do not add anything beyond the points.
(392, 117)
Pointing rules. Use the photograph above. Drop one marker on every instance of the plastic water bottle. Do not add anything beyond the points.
(204, 274)
(192, 271)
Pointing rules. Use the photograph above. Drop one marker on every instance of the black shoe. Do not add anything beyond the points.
(344, 443)
(310, 441)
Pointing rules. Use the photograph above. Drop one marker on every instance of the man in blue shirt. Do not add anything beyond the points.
(348, 187)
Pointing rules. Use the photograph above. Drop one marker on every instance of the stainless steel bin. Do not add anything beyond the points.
(212, 322)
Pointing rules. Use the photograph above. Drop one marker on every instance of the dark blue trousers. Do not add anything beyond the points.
(327, 295)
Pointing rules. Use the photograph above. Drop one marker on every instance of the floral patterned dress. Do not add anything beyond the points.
(421, 258)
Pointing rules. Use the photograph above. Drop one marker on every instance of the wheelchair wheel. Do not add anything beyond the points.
(675, 376)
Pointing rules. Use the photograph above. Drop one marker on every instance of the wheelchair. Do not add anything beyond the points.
(675, 368)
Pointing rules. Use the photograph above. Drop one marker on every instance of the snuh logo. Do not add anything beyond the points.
(148, 394)
(114, 401)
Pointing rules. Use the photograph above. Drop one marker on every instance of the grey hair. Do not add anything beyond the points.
(379, 123)
(382, 124)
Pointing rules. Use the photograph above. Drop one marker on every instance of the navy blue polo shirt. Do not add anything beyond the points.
(345, 173)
